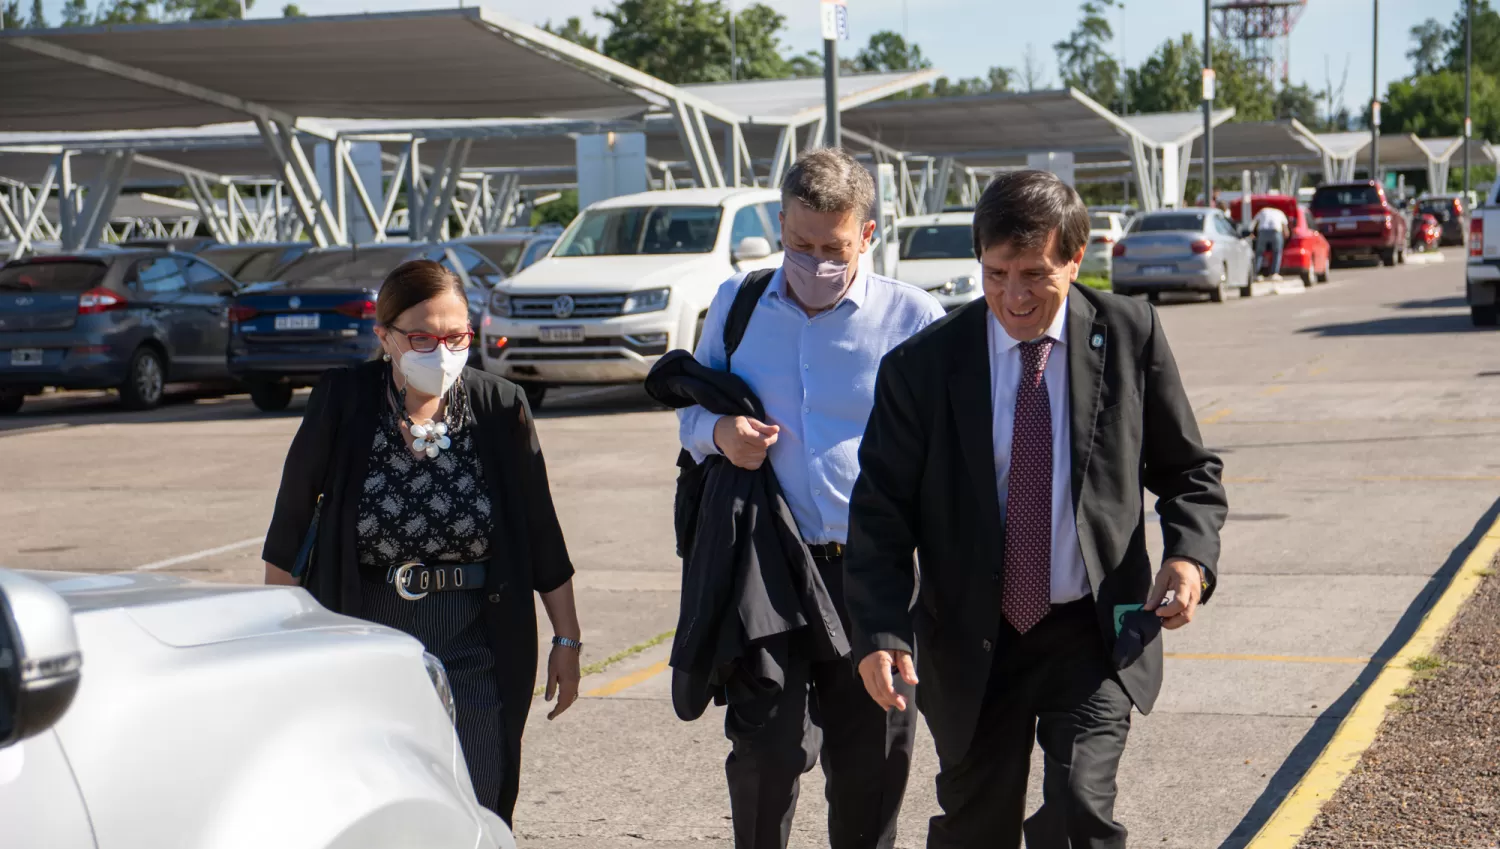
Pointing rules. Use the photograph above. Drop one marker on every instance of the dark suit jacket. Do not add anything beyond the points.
(927, 481)
(747, 578)
(330, 456)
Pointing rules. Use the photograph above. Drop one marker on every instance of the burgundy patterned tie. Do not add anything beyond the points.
(1028, 502)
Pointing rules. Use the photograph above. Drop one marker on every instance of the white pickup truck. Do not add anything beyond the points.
(146, 712)
(1483, 271)
(630, 279)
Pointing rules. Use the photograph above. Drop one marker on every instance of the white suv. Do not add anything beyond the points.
(937, 254)
(141, 711)
(630, 279)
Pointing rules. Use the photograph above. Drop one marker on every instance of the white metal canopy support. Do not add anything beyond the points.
(937, 190)
(377, 221)
(393, 190)
(711, 155)
(781, 161)
(692, 143)
(33, 211)
(307, 197)
(441, 186)
(205, 203)
(1145, 179)
(89, 225)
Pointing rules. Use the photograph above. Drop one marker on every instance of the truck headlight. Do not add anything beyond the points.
(500, 303)
(439, 677)
(958, 285)
(650, 300)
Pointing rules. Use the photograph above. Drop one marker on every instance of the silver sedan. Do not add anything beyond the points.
(1182, 250)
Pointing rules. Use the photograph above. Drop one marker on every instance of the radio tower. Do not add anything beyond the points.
(1263, 29)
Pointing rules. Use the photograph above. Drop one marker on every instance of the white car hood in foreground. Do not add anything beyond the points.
(930, 273)
(610, 274)
(184, 613)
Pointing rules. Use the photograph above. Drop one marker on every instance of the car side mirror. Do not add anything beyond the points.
(752, 247)
(40, 663)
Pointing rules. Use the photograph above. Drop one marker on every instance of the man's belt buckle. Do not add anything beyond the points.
(402, 577)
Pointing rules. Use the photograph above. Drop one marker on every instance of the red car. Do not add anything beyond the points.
(1359, 221)
(1306, 254)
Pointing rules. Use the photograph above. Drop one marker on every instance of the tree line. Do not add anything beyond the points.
(78, 13)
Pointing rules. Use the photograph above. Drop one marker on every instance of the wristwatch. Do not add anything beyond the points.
(567, 643)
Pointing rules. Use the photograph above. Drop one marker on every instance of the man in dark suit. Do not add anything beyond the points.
(1008, 447)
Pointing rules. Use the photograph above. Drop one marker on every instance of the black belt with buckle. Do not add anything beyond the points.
(415, 579)
(826, 551)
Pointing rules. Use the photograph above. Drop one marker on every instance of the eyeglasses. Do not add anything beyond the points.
(426, 343)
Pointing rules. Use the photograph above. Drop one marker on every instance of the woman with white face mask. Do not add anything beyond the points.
(415, 496)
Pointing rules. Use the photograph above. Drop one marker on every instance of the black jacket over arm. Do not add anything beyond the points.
(330, 455)
(747, 579)
(927, 482)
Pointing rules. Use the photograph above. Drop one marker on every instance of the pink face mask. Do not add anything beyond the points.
(818, 284)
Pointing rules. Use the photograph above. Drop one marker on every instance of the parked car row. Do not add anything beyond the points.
(136, 317)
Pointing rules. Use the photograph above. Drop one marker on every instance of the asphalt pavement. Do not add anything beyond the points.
(1359, 425)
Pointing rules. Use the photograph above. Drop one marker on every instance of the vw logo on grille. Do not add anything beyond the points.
(295, 302)
(563, 306)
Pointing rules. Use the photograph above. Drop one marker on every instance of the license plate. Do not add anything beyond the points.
(562, 334)
(1157, 269)
(1346, 225)
(297, 322)
(26, 357)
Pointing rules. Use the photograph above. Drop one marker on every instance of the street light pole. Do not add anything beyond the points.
(1468, 90)
(1375, 95)
(1208, 108)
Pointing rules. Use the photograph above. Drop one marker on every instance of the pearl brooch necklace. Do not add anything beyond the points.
(431, 438)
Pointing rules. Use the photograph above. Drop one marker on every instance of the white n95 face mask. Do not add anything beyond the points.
(434, 372)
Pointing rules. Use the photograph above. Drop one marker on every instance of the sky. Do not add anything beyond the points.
(964, 38)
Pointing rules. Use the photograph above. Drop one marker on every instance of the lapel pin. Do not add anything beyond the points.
(1096, 341)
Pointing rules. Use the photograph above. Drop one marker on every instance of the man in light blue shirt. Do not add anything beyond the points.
(810, 353)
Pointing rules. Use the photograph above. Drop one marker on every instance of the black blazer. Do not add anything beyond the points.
(330, 455)
(747, 578)
(927, 482)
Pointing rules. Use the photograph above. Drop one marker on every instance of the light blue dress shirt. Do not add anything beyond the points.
(816, 377)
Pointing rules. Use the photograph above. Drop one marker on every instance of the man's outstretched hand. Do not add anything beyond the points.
(876, 670)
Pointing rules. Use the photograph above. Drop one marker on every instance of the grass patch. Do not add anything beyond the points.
(1094, 281)
(600, 665)
(1425, 663)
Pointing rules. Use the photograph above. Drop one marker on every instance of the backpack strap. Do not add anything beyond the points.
(739, 312)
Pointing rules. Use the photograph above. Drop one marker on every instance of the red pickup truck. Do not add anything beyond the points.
(1358, 221)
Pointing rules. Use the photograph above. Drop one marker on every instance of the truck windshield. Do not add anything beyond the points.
(946, 241)
(629, 231)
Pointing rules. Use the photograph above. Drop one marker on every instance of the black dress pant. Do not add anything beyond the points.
(822, 709)
(1055, 684)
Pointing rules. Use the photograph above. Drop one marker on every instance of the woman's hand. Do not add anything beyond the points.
(562, 679)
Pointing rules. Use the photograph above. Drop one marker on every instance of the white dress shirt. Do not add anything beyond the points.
(1070, 579)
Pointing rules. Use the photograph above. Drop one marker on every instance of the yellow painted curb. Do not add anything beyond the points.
(1357, 732)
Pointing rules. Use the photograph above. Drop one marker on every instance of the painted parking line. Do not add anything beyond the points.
(1357, 732)
(199, 555)
(625, 682)
(1216, 417)
(1268, 658)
